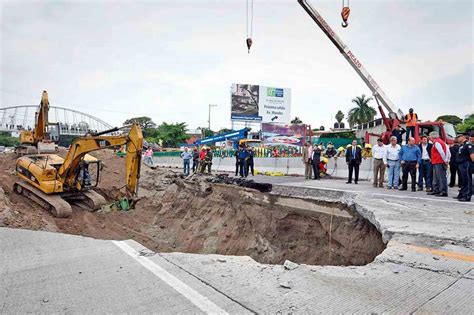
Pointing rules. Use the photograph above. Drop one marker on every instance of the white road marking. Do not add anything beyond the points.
(197, 299)
(375, 194)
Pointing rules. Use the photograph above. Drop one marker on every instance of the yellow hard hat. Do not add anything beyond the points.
(325, 160)
(340, 149)
(368, 146)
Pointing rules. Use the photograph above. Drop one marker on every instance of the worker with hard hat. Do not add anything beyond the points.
(410, 120)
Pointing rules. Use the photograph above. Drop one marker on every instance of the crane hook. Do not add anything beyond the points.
(249, 44)
(345, 13)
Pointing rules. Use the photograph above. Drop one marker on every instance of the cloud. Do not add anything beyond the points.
(171, 59)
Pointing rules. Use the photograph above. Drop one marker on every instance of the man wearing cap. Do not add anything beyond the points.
(379, 154)
(464, 159)
(410, 120)
(425, 168)
(439, 159)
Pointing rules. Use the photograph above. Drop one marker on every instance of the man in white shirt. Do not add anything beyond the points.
(393, 163)
(379, 154)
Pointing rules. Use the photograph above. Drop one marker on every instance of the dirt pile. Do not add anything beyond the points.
(208, 214)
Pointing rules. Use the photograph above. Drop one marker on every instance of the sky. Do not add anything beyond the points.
(169, 59)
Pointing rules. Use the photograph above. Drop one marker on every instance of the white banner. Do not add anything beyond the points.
(260, 103)
(274, 104)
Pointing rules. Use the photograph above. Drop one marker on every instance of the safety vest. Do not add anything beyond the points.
(411, 119)
(435, 156)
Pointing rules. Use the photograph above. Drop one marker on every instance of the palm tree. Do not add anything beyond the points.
(362, 113)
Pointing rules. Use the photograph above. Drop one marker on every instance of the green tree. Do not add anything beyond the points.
(205, 132)
(7, 140)
(339, 116)
(452, 119)
(362, 113)
(296, 120)
(224, 130)
(467, 124)
(146, 123)
(172, 135)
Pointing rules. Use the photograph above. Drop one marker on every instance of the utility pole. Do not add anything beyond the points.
(209, 119)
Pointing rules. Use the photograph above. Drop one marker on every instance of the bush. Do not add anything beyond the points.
(8, 141)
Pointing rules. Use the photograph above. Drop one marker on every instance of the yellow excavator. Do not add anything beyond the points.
(53, 181)
(38, 140)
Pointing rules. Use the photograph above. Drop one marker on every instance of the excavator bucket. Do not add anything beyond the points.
(46, 147)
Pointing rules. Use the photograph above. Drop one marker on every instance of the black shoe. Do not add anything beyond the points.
(355, 183)
(348, 182)
(402, 189)
(420, 188)
(414, 189)
(464, 199)
(433, 193)
(451, 185)
(457, 197)
(442, 195)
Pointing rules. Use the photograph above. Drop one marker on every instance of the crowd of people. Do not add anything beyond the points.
(244, 161)
(426, 164)
(431, 159)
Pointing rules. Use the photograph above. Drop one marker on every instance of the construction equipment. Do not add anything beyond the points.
(51, 181)
(237, 136)
(395, 115)
(38, 140)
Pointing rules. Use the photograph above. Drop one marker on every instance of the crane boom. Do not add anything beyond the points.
(394, 112)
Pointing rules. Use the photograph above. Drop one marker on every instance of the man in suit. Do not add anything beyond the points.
(425, 167)
(453, 164)
(353, 160)
(315, 160)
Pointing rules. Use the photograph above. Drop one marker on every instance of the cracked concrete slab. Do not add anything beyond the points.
(427, 266)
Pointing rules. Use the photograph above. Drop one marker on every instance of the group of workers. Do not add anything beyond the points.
(244, 161)
(315, 158)
(431, 158)
(201, 160)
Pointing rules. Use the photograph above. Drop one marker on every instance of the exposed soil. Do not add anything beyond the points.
(206, 214)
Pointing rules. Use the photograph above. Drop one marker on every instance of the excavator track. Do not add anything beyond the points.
(58, 207)
(94, 200)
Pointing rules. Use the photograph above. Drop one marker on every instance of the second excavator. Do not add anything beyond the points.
(53, 181)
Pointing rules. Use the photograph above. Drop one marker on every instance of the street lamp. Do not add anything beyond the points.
(209, 119)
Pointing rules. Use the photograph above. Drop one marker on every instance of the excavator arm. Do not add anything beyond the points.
(84, 145)
(41, 119)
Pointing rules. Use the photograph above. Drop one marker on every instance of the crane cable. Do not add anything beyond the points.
(249, 26)
(345, 13)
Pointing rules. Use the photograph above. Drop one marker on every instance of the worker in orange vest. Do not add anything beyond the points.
(410, 120)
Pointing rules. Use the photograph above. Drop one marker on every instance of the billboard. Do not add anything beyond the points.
(260, 103)
(280, 134)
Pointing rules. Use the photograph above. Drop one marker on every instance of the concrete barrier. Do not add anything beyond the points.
(288, 166)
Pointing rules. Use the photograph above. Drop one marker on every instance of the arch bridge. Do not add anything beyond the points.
(71, 122)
